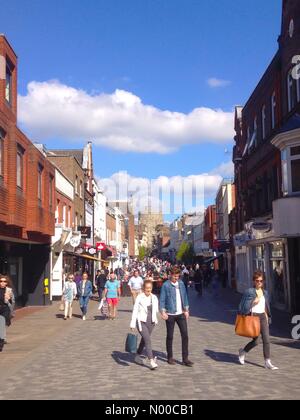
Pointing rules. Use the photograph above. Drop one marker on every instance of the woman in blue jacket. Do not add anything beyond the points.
(85, 291)
(256, 301)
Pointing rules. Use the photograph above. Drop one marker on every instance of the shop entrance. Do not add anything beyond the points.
(294, 256)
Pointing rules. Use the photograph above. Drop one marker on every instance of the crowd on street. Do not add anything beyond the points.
(156, 287)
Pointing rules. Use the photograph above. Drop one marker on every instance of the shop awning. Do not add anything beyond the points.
(86, 257)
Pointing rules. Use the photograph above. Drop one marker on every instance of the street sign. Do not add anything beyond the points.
(75, 241)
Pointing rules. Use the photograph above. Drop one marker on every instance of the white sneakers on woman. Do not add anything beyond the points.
(268, 365)
(242, 355)
(153, 363)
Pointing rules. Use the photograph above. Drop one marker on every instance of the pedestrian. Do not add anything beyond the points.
(144, 318)
(256, 301)
(69, 294)
(185, 276)
(85, 291)
(112, 293)
(7, 302)
(100, 283)
(174, 308)
(215, 283)
(136, 284)
(198, 280)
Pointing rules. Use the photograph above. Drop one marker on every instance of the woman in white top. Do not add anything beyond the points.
(256, 301)
(144, 318)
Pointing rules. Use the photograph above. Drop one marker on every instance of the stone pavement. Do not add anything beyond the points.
(49, 358)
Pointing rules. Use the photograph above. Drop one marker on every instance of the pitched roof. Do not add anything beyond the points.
(76, 153)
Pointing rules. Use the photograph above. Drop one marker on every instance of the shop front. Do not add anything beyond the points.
(28, 265)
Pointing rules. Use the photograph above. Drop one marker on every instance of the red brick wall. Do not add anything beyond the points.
(21, 214)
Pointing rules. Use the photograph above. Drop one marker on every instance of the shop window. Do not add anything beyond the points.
(278, 276)
(259, 258)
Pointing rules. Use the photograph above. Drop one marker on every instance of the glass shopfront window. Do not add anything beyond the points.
(278, 274)
(259, 258)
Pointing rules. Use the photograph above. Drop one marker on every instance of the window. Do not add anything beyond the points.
(40, 182)
(51, 184)
(57, 211)
(80, 189)
(20, 166)
(253, 141)
(2, 135)
(278, 269)
(76, 221)
(8, 82)
(259, 258)
(64, 221)
(290, 158)
(273, 110)
(263, 122)
(291, 88)
(69, 217)
(76, 184)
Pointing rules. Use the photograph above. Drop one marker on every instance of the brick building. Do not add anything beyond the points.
(26, 195)
(267, 172)
(210, 226)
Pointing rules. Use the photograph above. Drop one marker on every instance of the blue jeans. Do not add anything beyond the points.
(84, 301)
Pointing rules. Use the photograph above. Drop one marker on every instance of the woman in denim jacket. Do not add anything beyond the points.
(256, 301)
(7, 302)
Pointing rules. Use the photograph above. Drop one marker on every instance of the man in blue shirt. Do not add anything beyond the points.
(174, 308)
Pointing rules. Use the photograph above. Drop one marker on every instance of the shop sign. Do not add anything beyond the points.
(92, 251)
(75, 241)
(262, 226)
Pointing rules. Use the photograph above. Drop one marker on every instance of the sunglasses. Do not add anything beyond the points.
(3, 281)
(259, 281)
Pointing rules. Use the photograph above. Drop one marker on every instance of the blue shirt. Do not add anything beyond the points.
(112, 288)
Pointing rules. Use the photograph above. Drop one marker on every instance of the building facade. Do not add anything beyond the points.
(27, 191)
(267, 172)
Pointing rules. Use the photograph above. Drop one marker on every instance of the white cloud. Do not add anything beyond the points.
(174, 195)
(216, 83)
(119, 121)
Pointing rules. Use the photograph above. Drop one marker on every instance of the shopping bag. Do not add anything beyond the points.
(131, 343)
(104, 308)
(62, 306)
(100, 304)
(247, 326)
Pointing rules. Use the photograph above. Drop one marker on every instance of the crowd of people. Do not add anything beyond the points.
(156, 287)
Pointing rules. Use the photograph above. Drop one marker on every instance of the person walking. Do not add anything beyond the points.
(144, 318)
(198, 280)
(85, 291)
(69, 294)
(136, 284)
(7, 302)
(256, 301)
(100, 283)
(112, 293)
(174, 308)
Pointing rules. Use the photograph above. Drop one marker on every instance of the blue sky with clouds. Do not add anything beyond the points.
(152, 82)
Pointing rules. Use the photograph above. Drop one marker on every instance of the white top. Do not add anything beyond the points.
(140, 310)
(179, 308)
(136, 283)
(260, 308)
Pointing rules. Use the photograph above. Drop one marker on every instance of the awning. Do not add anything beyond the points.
(213, 259)
(86, 257)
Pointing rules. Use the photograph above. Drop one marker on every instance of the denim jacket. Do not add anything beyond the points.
(88, 290)
(247, 302)
(167, 299)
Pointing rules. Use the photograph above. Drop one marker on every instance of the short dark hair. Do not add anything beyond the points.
(175, 271)
(258, 274)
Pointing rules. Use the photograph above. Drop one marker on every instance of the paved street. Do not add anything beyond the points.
(49, 358)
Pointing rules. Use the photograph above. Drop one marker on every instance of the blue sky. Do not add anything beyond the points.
(159, 56)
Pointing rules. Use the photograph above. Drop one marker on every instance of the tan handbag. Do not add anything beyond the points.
(247, 326)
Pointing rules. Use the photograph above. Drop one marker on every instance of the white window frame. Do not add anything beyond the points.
(263, 121)
(8, 84)
(76, 185)
(80, 188)
(273, 110)
(287, 170)
(290, 91)
(253, 141)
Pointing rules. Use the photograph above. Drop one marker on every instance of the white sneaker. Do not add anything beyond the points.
(242, 355)
(268, 365)
(153, 364)
(83, 318)
(138, 360)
